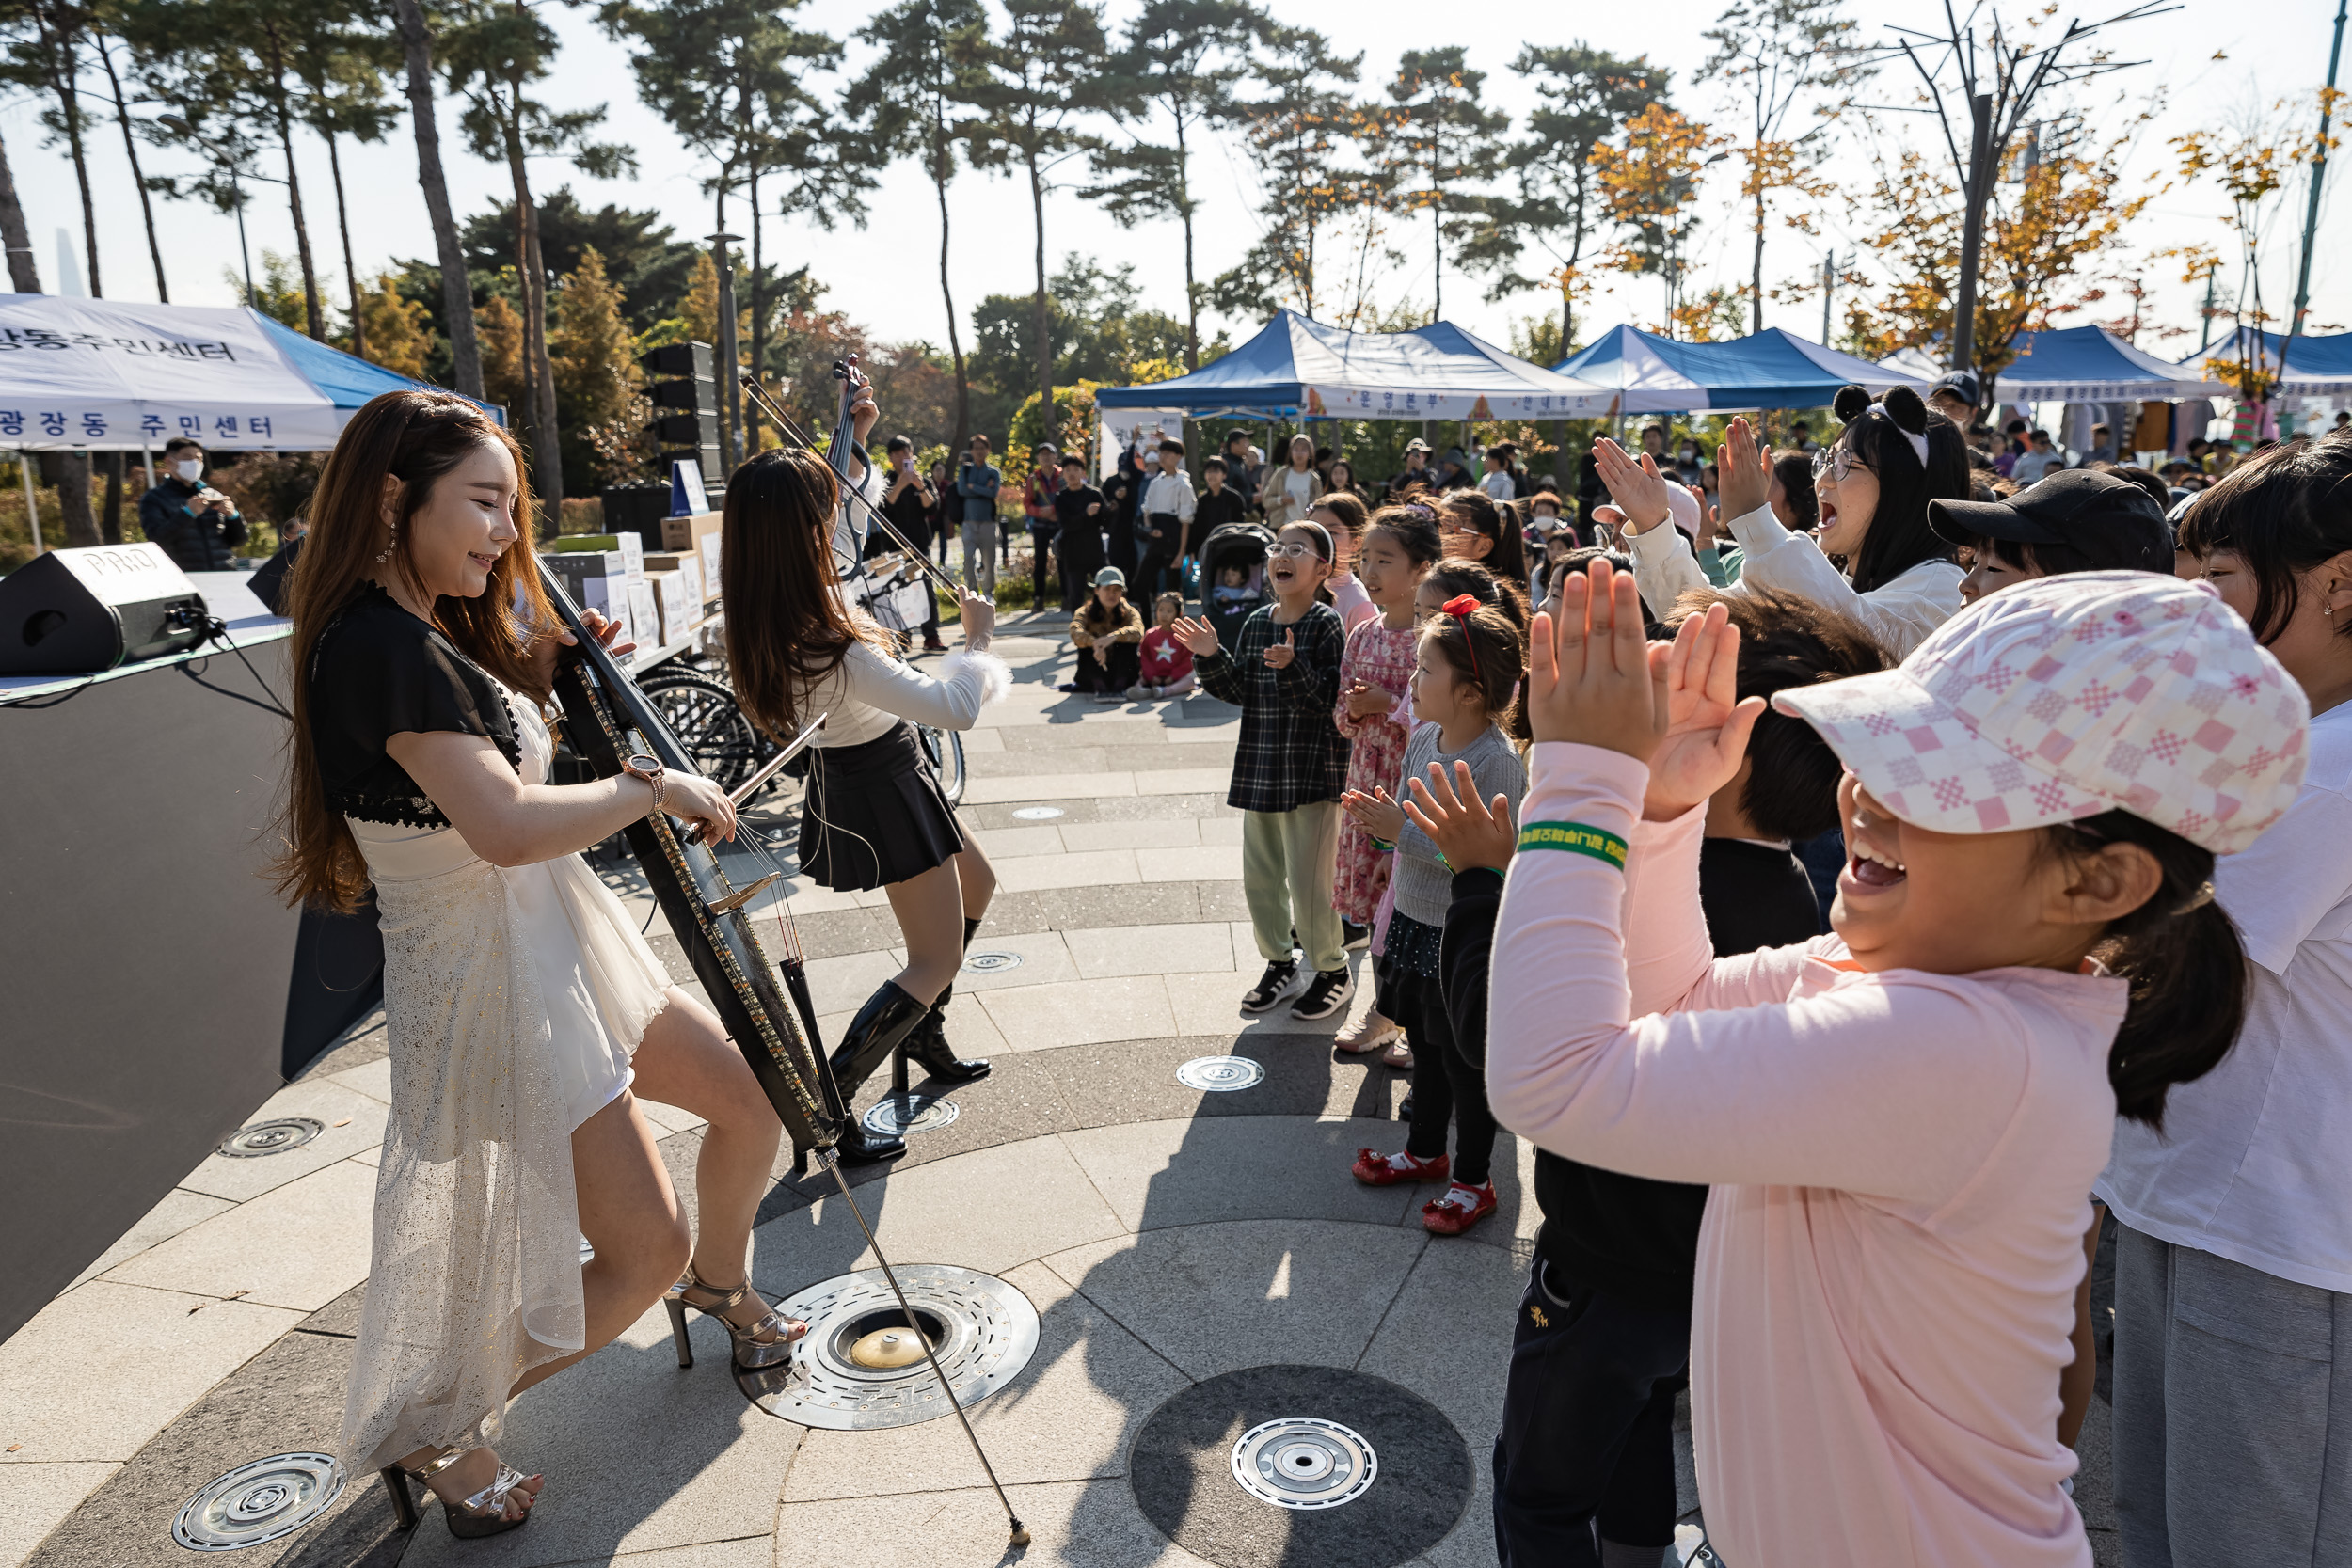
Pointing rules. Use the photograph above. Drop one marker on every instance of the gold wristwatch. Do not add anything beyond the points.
(642, 765)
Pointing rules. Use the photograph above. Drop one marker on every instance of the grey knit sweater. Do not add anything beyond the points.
(1423, 886)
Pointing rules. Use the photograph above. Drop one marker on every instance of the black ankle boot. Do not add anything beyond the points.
(929, 1047)
(887, 1018)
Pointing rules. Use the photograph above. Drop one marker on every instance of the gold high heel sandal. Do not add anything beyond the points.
(752, 1350)
(483, 1513)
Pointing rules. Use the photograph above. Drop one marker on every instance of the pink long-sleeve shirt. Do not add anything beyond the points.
(1902, 1166)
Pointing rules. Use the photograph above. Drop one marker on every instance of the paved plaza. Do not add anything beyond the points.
(1167, 1239)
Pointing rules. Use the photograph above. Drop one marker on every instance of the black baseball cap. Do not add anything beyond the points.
(2111, 520)
(1962, 385)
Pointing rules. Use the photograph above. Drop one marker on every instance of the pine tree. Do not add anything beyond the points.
(499, 327)
(700, 309)
(592, 351)
(393, 327)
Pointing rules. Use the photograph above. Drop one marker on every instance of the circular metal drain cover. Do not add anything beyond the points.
(991, 963)
(1304, 1461)
(1208, 1461)
(1037, 814)
(1220, 1074)
(893, 1118)
(983, 1330)
(259, 1502)
(271, 1137)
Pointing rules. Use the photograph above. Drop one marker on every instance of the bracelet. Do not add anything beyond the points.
(1382, 844)
(1575, 838)
(660, 783)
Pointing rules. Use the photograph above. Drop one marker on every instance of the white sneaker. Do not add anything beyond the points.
(1367, 1035)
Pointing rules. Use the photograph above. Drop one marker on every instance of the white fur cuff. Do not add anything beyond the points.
(995, 675)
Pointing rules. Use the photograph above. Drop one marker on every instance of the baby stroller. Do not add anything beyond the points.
(1233, 546)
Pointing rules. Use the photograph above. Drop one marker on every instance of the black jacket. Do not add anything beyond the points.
(197, 542)
(1628, 1235)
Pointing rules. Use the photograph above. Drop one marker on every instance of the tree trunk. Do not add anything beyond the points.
(1044, 340)
(69, 472)
(131, 150)
(939, 156)
(456, 290)
(1436, 264)
(314, 315)
(754, 436)
(547, 460)
(1755, 286)
(58, 61)
(730, 353)
(110, 520)
(23, 274)
(1184, 211)
(351, 273)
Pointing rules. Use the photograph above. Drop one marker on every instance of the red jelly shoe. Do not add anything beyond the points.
(1461, 1207)
(1376, 1169)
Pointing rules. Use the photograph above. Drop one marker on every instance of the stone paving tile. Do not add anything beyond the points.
(36, 1498)
(640, 1455)
(1174, 949)
(1183, 781)
(287, 1400)
(103, 1368)
(1284, 1290)
(372, 1078)
(1005, 844)
(1095, 868)
(1081, 1012)
(1090, 1524)
(1164, 1173)
(353, 1121)
(178, 1210)
(1073, 1413)
(1052, 786)
(1135, 1080)
(1207, 863)
(323, 1218)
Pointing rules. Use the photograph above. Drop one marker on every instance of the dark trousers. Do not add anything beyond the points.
(1040, 547)
(1124, 668)
(1123, 543)
(1588, 1419)
(1158, 557)
(1448, 1086)
(1078, 566)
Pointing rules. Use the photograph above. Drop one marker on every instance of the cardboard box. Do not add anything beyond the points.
(644, 614)
(710, 551)
(686, 533)
(630, 546)
(674, 601)
(688, 565)
(596, 580)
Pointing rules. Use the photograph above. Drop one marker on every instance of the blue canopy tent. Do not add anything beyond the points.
(1300, 369)
(2090, 364)
(1772, 368)
(2318, 366)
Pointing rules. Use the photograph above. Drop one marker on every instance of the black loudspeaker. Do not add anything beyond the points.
(73, 612)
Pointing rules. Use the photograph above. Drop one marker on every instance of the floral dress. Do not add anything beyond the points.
(1380, 655)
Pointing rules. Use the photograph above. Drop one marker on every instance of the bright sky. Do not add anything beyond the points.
(886, 275)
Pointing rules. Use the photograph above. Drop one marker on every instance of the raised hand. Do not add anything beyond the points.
(1636, 487)
(1377, 813)
(1196, 635)
(1707, 725)
(1278, 657)
(1743, 472)
(1593, 678)
(1365, 700)
(1466, 833)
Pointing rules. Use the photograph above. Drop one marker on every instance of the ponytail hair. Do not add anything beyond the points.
(2183, 957)
(1414, 527)
(1484, 649)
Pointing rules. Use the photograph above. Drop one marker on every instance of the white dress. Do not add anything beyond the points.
(513, 997)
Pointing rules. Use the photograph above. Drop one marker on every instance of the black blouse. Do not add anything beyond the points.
(377, 672)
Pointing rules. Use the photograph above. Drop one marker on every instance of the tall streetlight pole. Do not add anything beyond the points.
(2319, 178)
(731, 417)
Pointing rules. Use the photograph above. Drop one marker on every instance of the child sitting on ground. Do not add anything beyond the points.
(1899, 1121)
(1466, 678)
(1289, 769)
(1375, 712)
(1108, 635)
(1167, 662)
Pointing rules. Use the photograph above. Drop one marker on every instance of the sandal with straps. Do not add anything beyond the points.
(764, 1342)
(482, 1515)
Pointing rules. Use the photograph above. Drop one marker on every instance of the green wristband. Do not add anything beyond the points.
(1575, 839)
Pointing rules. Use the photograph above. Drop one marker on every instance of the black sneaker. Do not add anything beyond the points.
(1326, 993)
(1354, 937)
(1271, 986)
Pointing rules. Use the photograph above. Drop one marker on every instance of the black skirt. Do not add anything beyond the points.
(874, 815)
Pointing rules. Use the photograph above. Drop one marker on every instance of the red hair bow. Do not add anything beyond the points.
(1462, 607)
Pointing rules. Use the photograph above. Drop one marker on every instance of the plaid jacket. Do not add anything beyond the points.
(1290, 754)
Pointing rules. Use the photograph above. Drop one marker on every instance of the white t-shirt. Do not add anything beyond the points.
(1499, 485)
(2252, 1163)
(1301, 487)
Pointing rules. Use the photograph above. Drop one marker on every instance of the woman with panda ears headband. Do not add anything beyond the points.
(1874, 481)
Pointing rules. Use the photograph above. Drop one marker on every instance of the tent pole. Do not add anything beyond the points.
(147, 455)
(32, 513)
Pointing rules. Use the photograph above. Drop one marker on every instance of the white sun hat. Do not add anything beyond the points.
(2068, 696)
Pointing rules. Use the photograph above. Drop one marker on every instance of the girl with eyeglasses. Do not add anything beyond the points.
(1873, 555)
(1475, 529)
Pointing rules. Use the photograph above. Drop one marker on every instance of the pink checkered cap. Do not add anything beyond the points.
(2068, 696)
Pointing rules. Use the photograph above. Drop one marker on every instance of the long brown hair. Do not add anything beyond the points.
(787, 626)
(415, 437)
